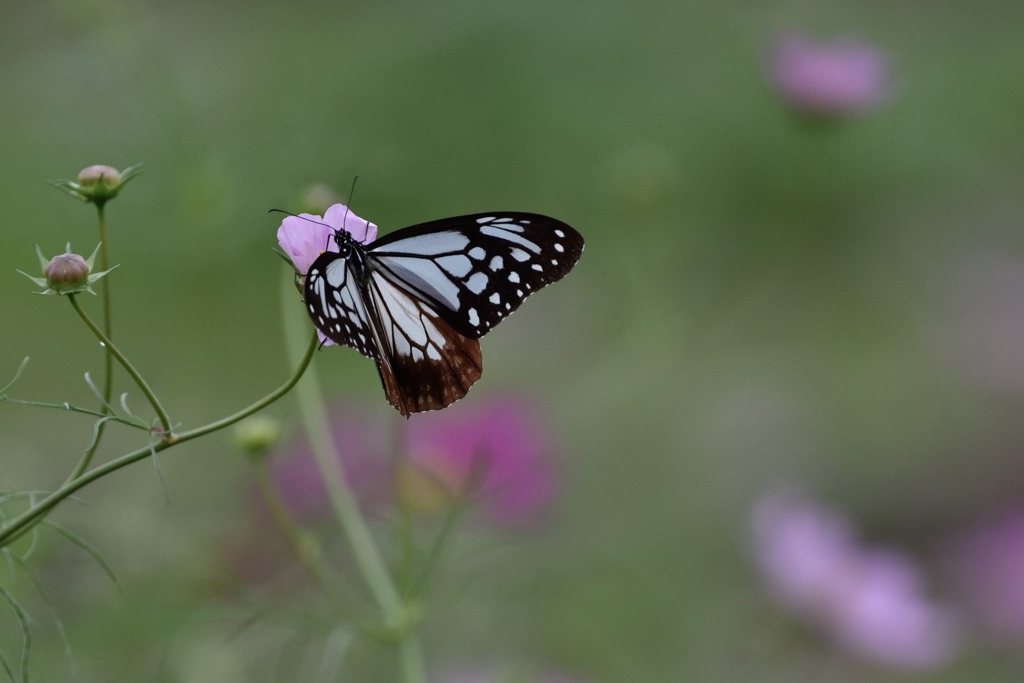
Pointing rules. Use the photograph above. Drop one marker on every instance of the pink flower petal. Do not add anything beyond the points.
(304, 237)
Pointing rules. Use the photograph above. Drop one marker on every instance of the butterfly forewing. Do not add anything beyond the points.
(417, 300)
(477, 269)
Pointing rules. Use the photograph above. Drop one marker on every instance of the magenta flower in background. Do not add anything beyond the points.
(495, 453)
(304, 237)
(828, 80)
(870, 601)
(988, 563)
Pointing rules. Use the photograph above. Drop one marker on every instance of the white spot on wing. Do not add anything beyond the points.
(476, 283)
(519, 255)
(497, 263)
(559, 248)
(474, 319)
(430, 244)
(432, 332)
(425, 276)
(513, 277)
(335, 272)
(346, 296)
(485, 219)
(499, 233)
(536, 266)
(456, 265)
(478, 253)
(559, 233)
(495, 298)
(507, 224)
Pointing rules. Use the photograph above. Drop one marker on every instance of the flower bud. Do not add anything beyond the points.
(66, 272)
(97, 184)
(93, 175)
(257, 435)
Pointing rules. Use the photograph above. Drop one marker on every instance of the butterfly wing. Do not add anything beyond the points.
(477, 269)
(425, 364)
(334, 300)
(418, 299)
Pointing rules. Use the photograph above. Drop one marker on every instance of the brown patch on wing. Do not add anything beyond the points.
(414, 386)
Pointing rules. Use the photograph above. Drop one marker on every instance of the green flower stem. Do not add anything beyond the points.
(306, 546)
(108, 376)
(108, 357)
(165, 421)
(360, 541)
(19, 525)
(410, 655)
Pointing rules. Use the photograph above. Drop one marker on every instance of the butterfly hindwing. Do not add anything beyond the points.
(477, 269)
(425, 364)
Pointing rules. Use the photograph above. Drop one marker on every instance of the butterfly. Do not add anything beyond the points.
(417, 300)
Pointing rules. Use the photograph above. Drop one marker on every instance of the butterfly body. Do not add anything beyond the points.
(417, 300)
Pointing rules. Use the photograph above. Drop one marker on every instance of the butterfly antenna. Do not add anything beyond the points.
(289, 213)
(351, 193)
(295, 215)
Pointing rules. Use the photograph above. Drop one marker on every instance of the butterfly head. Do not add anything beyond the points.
(344, 241)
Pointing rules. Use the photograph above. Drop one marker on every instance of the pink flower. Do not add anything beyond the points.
(828, 80)
(304, 237)
(871, 601)
(495, 454)
(989, 564)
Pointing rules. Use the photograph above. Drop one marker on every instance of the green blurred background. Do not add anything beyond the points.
(759, 301)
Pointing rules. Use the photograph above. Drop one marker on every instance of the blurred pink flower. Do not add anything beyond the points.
(871, 601)
(304, 237)
(989, 567)
(828, 79)
(495, 453)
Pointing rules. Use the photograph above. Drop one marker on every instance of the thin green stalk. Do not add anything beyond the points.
(108, 375)
(19, 525)
(410, 655)
(108, 358)
(357, 533)
(307, 548)
(165, 421)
